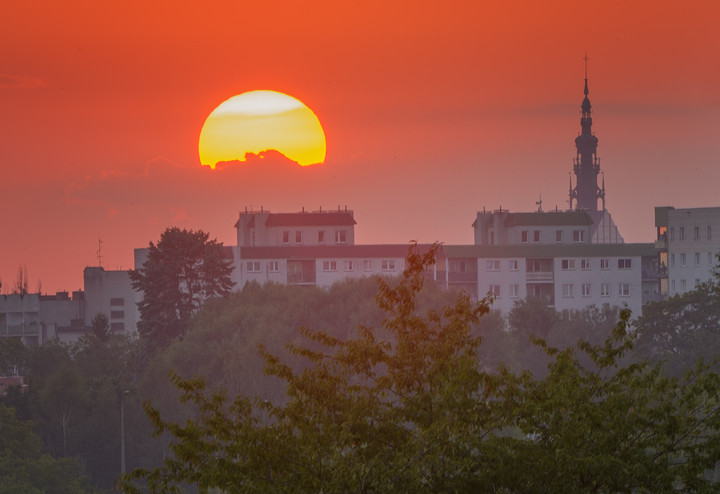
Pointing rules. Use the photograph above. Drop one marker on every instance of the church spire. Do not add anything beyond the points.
(586, 164)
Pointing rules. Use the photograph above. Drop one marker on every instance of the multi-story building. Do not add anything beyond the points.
(688, 243)
(39, 318)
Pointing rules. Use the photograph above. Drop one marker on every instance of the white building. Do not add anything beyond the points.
(688, 242)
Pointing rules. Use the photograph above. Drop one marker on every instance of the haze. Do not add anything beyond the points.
(430, 114)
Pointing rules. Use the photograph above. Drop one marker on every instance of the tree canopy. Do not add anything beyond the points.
(182, 270)
(409, 406)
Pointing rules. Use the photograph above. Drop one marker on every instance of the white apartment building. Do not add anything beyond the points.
(688, 242)
(566, 276)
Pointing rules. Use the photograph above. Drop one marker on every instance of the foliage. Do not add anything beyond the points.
(406, 407)
(101, 326)
(182, 270)
(23, 467)
(682, 328)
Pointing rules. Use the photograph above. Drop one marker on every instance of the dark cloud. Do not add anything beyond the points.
(10, 81)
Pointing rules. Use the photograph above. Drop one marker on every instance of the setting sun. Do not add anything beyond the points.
(259, 121)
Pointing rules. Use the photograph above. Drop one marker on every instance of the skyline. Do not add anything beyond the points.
(429, 115)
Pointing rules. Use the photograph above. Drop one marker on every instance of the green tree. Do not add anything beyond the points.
(23, 467)
(101, 326)
(408, 407)
(182, 270)
(682, 328)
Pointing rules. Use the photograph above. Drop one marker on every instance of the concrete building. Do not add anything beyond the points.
(110, 292)
(37, 318)
(688, 243)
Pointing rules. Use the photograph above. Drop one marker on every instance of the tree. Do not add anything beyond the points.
(23, 467)
(182, 270)
(21, 285)
(681, 328)
(101, 326)
(407, 407)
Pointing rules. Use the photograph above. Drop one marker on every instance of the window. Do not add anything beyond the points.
(605, 264)
(682, 259)
(349, 266)
(624, 263)
(495, 291)
(513, 265)
(682, 233)
(387, 265)
(117, 314)
(697, 233)
(586, 289)
(568, 264)
(367, 265)
(683, 285)
(514, 291)
(536, 236)
(329, 265)
(697, 282)
(533, 266)
(585, 264)
(253, 266)
(492, 265)
(568, 290)
(117, 302)
(298, 237)
(604, 290)
(274, 266)
(672, 233)
(697, 259)
(286, 237)
(578, 235)
(321, 237)
(524, 236)
(672, 260)
(117, 326)
(492, 238)
(672, 286)
(341, 237)
(624, 289)
(558, 236)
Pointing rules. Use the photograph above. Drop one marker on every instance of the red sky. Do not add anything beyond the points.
(431, 112)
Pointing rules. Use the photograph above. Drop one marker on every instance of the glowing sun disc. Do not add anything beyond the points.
(258, 121)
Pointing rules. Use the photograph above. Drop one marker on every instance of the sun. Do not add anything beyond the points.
(259, 121)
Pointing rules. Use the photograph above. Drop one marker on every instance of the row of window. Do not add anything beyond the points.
(578, 236)
(568, 290)
(348, 265)
(697, 231)
(683, 285)
(340, 237)
(698, 259)
(566, 264)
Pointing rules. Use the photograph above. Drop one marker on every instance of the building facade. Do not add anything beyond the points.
(688, 243)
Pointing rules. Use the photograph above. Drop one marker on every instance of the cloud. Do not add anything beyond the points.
(10, 81)
(175, 194)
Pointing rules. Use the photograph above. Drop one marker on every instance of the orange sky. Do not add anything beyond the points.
(430, 113)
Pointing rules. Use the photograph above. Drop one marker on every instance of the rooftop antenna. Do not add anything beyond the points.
(99, 252)
(539, 204)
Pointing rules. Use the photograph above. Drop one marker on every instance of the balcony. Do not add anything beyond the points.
(468, 277)
(301, 278)
(539, 277)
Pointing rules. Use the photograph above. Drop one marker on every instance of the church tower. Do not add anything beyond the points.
(586, 165)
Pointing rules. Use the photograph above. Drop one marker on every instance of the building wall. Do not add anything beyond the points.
(692, 241)
(602, 277)
(111, 293)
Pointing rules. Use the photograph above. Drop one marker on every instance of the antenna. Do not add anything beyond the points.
(539, 204)
(99, 252)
